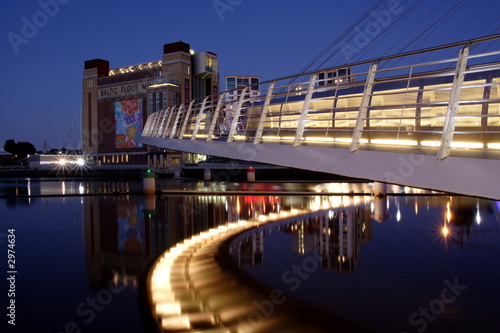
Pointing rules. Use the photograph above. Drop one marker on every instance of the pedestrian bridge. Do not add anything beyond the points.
(428, 119)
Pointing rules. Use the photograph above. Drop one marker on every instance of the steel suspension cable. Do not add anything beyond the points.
(387, 28)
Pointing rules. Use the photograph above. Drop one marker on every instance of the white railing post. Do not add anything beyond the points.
(263, 115)
(299, 133)
(160, 128)
(363, 109)
(452, 111)
(167, 124)
(215, 116)
(236, 117)
(176, 120)
(186, 119)
(147, 127)
(198, 118)
(154, 125)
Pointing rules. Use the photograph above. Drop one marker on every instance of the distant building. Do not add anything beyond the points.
(56, 162)
(235, 85)
(116, 102)
(336, 76)
(6, 157)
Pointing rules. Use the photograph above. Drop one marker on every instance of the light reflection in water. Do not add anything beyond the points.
(334, 227)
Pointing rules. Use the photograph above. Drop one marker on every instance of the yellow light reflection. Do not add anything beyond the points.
(448, 212)
(187, 277)
(173, 308)
(445, 231)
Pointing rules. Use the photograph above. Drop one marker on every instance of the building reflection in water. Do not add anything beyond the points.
(341, 233)
(126, 233)
(335, 233)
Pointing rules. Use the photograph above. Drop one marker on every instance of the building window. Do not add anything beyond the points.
(242, 83)
(211, 64)
(230, 83)
(151, 108)
(186, 90)
(254, 82)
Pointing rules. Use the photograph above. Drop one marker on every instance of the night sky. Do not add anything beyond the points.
(45, 43)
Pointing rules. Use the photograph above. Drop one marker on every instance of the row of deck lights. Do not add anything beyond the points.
(373, 141)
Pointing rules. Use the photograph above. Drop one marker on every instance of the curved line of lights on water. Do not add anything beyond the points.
(188, 290)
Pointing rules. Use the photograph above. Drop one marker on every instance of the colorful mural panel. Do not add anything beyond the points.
(128, 123)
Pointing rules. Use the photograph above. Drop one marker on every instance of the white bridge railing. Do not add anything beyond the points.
(444, 100)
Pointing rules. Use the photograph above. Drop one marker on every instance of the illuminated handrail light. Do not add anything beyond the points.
(314, 139)
(274, 138)
(346, 140)
(430, 143)
(466, 145)
(278, 138)
(395, 142)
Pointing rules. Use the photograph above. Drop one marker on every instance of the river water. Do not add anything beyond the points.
(81, 251)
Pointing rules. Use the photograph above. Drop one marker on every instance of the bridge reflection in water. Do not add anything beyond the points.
(401, 119)
(322, 283)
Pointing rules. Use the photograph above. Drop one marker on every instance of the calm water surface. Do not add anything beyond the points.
(413, 263)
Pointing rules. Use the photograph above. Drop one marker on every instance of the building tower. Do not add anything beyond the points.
(117, 102)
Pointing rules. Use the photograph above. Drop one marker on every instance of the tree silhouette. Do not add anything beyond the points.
(10, 146)
(20, 149)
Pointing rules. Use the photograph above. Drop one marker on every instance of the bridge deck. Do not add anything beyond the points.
(429, 124)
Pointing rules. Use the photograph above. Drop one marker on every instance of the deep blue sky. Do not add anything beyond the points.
(41, 76)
